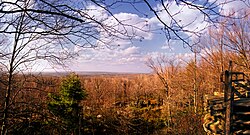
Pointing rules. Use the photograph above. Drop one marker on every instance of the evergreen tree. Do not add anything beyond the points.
(66, 105)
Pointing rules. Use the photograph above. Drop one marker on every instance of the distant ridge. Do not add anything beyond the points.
(89, 73)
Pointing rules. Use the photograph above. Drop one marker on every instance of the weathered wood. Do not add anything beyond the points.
(243, 132)
(233, 108)
(242, 122)
(229, 97)
(246, 132)
(244, 103)
(242, 113)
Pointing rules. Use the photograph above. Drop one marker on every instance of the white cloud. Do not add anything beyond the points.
(170, 45)
(131, 50)
(188, 18)
(114, 56)
(15, 4)
(178, 57)
(140, 25)
(130, 26)
(122, 50)
(128, 59)
(192, 19)
(185, 56)
(96, 12)
(166, 47)
(157, 54)
(227, 6)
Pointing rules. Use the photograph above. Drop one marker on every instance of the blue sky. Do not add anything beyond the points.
(131, 56)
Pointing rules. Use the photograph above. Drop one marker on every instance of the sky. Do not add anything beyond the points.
(131, 56)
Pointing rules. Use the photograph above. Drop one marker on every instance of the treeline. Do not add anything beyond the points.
(133, 104)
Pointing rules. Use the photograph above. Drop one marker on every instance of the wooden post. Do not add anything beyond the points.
(231, 97)
(227, 126)
(228, 97)
(226, 86)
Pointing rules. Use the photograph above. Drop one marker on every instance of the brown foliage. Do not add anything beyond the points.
(123, 104)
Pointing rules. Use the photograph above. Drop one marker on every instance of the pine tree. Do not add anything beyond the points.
(66, 105)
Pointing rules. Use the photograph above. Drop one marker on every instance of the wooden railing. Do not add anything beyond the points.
(229, 112)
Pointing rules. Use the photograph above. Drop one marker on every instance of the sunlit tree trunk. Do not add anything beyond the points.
(195, 84)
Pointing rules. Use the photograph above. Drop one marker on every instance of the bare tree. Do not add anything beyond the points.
(236, 38)
(165, 68)
(229, 40)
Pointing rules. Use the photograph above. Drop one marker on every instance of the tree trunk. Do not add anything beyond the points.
(6, 106)
(10, 80)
